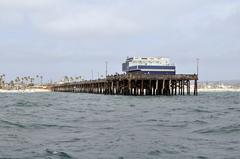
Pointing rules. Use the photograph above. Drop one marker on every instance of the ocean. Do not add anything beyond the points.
(89, 126)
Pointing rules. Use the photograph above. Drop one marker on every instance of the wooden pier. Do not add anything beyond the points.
(135, 84)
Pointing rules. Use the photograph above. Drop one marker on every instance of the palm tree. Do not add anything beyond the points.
(3, 76)
(32, 81)
(22, 80)
(37, 77)
(80, 78)
(26, 80)
(12, 84)
(0, 81)
(71, 79)
(75, 79)
(41, 77)
(17, 80)
(66, 79)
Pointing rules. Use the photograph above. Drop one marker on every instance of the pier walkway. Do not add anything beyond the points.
(135, 84)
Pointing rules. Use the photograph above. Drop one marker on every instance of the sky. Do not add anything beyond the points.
(55, 38)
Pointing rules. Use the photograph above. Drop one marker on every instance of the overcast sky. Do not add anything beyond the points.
(54, 38)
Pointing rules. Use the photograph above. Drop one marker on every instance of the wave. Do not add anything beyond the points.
(11, 123)
(63, 155)
(173, 125)
(200, 122)
(163, 151)
(155, 153)
(26, 104)
(219, 130)
(202, 157)
(201, 111)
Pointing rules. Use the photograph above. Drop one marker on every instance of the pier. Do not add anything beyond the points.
(137, 84)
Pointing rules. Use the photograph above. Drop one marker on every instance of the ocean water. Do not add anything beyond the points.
(88, 126)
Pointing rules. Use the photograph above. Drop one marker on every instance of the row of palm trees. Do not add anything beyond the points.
(28, 80)
(25, 81)
(67, 79)
(2, 80)
(21, 82)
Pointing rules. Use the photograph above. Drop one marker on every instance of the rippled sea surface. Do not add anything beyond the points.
(87, 126)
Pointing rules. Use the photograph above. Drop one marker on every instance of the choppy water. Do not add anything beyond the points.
(65, 126)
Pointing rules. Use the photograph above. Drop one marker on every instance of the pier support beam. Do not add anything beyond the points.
(183, 85)
(188, 88)
(142, 87)
(156, 90)
(129, 87)
(163, 88)
(195, 88)
(134, 84)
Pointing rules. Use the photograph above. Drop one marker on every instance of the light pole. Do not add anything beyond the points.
(41, 77)
(106, 68)
(92, 74)
(198, 65)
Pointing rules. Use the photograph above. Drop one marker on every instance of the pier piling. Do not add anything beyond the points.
(135, 84)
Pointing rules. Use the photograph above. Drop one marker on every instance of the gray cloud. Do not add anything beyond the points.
(74, 37)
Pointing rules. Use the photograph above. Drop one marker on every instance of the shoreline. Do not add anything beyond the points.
(47, 90)
(25, 91)
(219, 90)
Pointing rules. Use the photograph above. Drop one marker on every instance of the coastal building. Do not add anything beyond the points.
(149, 65)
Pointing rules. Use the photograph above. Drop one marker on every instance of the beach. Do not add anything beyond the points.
(219, 90)
(25, 91)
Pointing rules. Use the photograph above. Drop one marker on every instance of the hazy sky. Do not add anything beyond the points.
(72, 37)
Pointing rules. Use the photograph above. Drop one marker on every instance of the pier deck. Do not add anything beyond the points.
(134, 84)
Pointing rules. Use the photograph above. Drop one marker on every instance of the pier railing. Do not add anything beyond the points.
(153, 77)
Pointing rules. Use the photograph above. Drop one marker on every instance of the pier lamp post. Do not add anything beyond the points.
(106, 68)
(41, 77)
(198, 65)
(92, 74)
